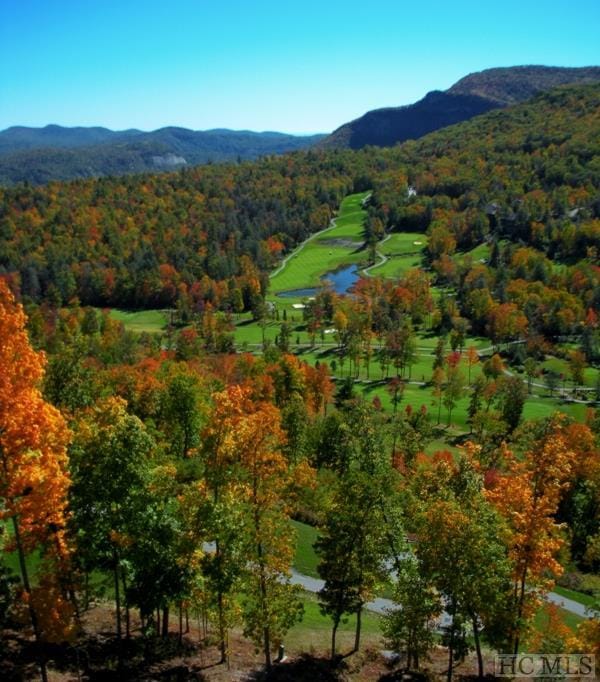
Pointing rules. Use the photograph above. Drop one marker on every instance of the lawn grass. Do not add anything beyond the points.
(561, 366)
(151, 321)
(305, 559)
(396, 266)
(571, 620)
(538, 405)
(480, 253)
(579, 597)
(314, 631)
(403, 254)
(341, 245)
(323, 253)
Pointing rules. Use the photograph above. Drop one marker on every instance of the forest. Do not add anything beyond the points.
(168, 492)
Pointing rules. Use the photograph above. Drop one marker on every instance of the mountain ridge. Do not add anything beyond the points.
(54, 152)
(474, 94)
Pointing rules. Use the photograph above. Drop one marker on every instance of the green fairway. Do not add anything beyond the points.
(561, 367)
(151, 321)
(403, 250)
(341, 244)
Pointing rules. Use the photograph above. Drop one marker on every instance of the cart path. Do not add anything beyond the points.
(381, 605)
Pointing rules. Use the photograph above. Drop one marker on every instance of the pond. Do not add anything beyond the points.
(342, 280)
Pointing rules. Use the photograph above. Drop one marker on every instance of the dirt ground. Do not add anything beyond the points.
(95, 658)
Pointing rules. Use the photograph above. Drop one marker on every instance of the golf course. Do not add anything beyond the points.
(337, 255)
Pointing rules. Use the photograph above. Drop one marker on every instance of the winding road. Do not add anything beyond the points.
(381, 605)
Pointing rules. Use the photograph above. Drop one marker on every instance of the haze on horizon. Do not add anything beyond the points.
(302, 68)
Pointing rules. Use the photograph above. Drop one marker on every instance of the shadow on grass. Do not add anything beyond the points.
(403, 676)
(96, 658)
(305, 668)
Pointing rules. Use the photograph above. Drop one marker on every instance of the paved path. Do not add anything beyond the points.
(381, 605)
(310, 584)
(299, 248)
(378, 605)
(567, 604)
(383, 259)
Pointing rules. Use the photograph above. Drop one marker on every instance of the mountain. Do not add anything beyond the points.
(472, 95)
(20, 138)
(38, 155)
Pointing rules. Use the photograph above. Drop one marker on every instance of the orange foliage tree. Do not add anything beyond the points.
(527, 494)
(33, 477)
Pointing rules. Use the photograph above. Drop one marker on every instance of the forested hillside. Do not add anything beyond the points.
(470, 96)
(525, 180)
(409, 463)
(39, 155)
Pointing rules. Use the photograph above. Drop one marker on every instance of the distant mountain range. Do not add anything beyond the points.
(39, 155)
(472, 95)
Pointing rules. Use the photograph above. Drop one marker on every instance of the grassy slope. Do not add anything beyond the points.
(321, 254)
(579, 597)
(403, 254)
(150, 321)
(305, 559)
(314, 631)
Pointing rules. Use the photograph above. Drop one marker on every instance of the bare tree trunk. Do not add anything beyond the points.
(221, 627)
(477, 646)
(127, 615)
(521, 602)
(32, 614)
(117, 593)
(450, 659)
(451, 647)
(180, 623)
(86, 590)
(336, 622)
(358, 629)
(267, 647)
(165, 621)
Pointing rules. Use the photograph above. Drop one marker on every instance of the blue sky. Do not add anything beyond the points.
(262, 65)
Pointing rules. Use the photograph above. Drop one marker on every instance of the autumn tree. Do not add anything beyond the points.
(243, 446)
(411, 627)
(577, 365)
(352, 550)
(217, 513)
(270, 603)
(527, 495)
(181, 412)
(511, 400)
(438, 378)
(472, 360)
(34, 482)
(531, 371)
(454, 388)
(462, 551)
(359, 528)
(110, 466)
